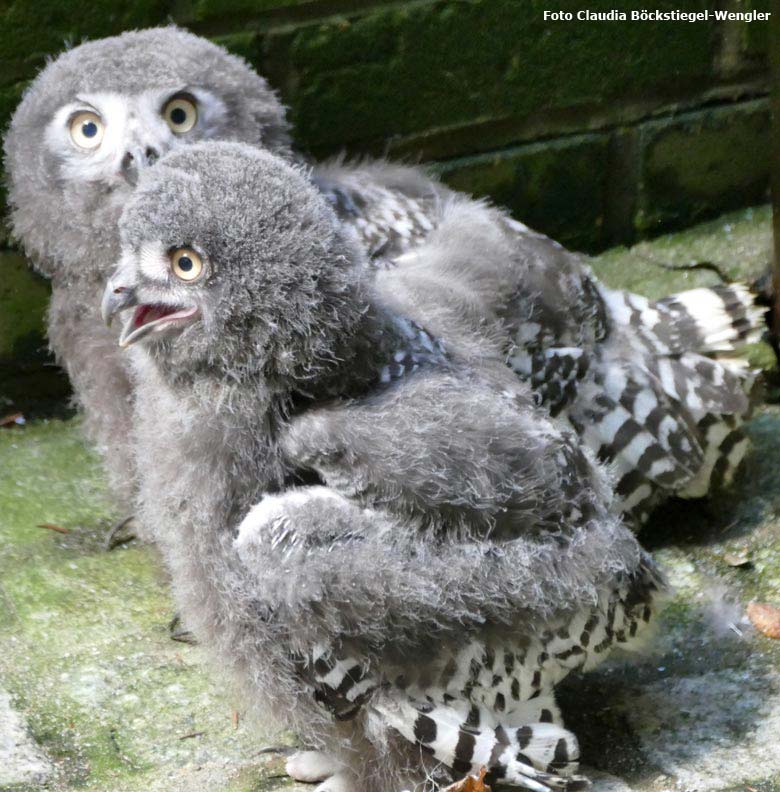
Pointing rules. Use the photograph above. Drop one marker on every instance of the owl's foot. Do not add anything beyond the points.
(340, 782)
(178, 633)
(546, 762)
(311, 767)
(120, 533)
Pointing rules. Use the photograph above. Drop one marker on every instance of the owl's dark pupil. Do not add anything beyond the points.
(185, 263)
(178, 116)
(89, 129)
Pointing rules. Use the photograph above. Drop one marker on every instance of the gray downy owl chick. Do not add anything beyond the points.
(88, 124)
(371, 526)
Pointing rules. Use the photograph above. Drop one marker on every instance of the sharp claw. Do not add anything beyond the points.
(120, 534)
(178, 633)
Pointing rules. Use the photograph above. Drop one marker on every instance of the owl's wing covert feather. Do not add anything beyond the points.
(391, 208)
(453, 452)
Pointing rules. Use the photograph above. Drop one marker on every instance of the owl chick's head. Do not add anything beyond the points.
(233, 261)
(101, 113)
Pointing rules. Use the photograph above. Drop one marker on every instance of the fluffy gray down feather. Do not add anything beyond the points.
(446, 521)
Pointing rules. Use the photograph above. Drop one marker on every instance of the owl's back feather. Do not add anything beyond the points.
(653, 387)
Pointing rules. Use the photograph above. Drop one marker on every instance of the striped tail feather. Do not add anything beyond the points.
(539, 757)
(722, 317)
(705, 320)
(716, 395)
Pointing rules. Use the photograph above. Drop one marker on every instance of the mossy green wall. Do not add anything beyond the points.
(483, 87)
(595, 132)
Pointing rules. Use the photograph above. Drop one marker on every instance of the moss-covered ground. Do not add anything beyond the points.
(86, 654)
(112, 704)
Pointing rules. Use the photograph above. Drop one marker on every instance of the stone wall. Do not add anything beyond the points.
(597, 133)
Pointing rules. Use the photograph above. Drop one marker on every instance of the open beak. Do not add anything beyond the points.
(116, 299)
(146, 318)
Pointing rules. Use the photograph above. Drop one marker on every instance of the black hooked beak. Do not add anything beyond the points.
(115, 299)
(135, 160)
(148, 318)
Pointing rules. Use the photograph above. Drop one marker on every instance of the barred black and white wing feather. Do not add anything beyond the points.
(391, 208)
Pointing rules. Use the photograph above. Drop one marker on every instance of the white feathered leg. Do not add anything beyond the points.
(343, 781)
(311, 767)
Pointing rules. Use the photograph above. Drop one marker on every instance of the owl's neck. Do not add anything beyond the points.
(338, 351)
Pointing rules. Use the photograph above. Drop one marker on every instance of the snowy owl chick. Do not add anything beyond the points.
(88, 124)
(634, 378)
(372, 526)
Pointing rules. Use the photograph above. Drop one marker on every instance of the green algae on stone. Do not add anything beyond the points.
(113, 702)
(23, 300)
(557, 188)
(739, 243)
(699, 163)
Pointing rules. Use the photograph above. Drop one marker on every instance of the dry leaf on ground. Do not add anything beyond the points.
(470, 784)
(765, 618)
(740, 558)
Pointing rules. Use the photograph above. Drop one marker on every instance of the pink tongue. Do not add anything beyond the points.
(150, 313)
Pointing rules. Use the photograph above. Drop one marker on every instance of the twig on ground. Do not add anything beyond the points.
(51, 527)
(191, 735)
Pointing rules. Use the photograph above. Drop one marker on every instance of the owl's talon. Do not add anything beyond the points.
(340, 782)
(178, 633)
(120, 533)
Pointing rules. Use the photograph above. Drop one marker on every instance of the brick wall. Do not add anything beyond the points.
(594, 132)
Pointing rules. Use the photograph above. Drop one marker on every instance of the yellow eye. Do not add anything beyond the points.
(86, 130)
(186, 264)
(181, 114)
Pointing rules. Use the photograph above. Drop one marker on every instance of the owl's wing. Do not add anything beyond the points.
(451, 451)
(338, 569)
(391, 208)
(454, 644)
